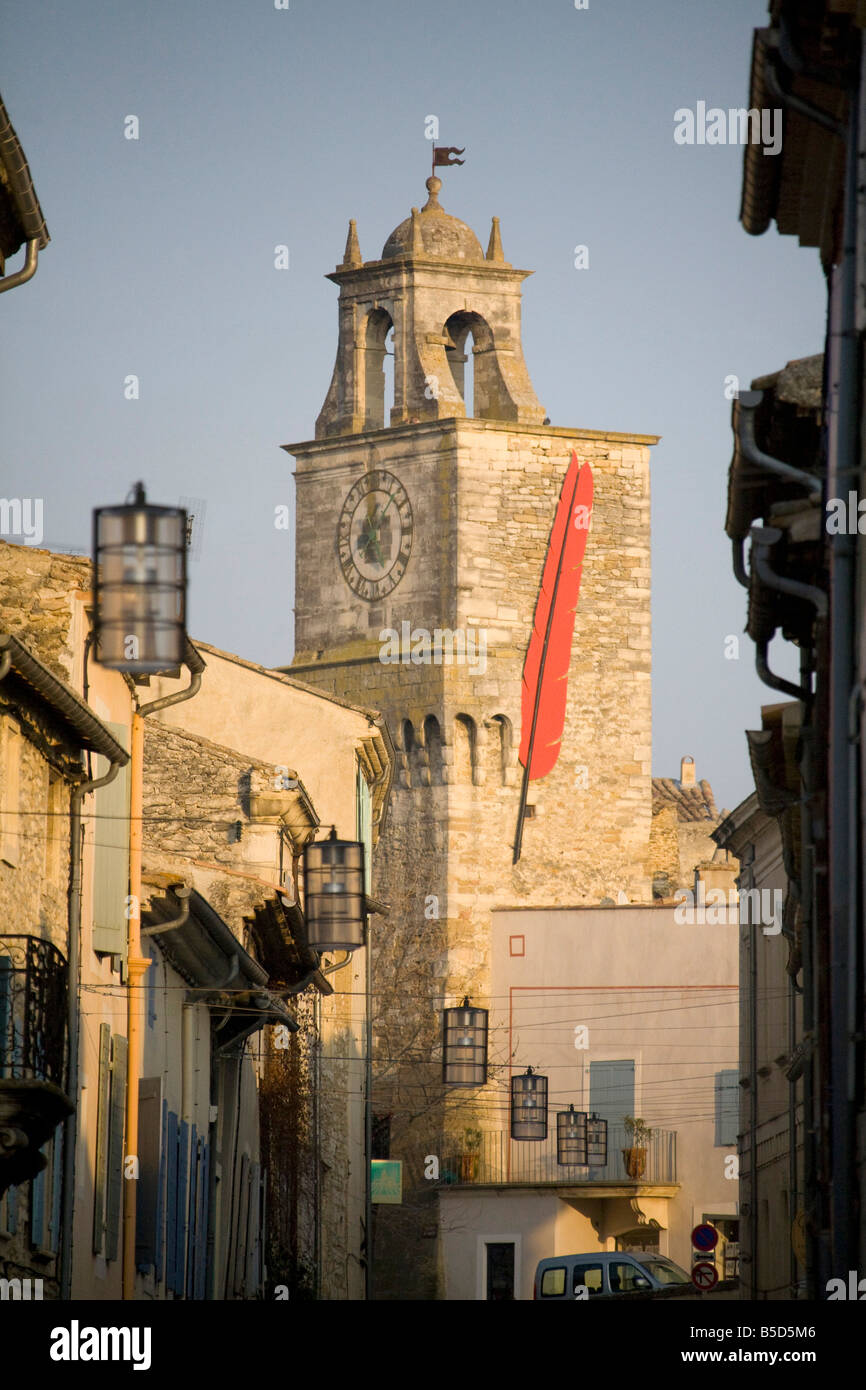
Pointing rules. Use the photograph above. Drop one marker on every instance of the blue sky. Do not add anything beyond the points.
(261, 127)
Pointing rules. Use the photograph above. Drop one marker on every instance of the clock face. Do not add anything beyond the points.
(374, 535)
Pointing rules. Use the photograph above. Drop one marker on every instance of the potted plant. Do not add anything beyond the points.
(469, 1156)
(634, 1157)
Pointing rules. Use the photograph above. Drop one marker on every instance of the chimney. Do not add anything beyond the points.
(687, 772)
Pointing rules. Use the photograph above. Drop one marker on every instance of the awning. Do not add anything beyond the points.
(205, 952)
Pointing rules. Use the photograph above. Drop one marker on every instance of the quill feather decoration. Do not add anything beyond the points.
(548, 656)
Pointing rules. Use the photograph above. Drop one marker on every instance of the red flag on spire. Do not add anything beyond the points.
(442, 155)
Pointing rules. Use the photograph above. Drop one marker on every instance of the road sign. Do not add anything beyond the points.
(386, 1181)
(705, 1237)
(705, 1276)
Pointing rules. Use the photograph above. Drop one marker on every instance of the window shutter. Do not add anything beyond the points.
(10, 763)
(180, 1227)
(117, 1116)
(159, 1243)
(611, 1090)
(111, 857)
(149, 1107)
(191, 1213)
(202, 1221)
(5, 1013)
(727, 1107)
(56, 1188)
(171, 1203)
(37, 1210)
(251, 1272)
(241, 1214)
(101, 1137)
(364, 824)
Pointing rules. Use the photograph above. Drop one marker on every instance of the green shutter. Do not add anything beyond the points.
(117, 1116)
(101, 1136)
(364, 824)
(111, 856)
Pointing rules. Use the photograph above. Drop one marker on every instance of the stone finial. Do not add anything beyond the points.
(432, 185)
(494, 248)
(687, 772)
(352, 253)
(417, 241)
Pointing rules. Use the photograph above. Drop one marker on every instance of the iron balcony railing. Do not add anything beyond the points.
(502, 1160)
(33, 982)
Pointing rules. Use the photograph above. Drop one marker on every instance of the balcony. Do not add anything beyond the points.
(502, 1162)
(33, 983)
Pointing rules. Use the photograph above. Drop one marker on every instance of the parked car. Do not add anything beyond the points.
(610, 1273)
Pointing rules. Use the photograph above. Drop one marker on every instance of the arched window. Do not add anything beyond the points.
(501, 746)
(374, 334)
(407, 736)
(464, 748)
(433, 744)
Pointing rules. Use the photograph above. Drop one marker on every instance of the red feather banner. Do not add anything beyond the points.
(548, 656)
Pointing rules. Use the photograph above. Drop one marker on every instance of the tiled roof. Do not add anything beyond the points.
(692, 803)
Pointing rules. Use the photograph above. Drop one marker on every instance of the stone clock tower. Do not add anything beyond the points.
(422, 532)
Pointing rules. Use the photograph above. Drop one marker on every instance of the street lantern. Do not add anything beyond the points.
(529, 1106)
(139, 577)
(596, 1142)
(571, 1137)
(464, 1046)
(335, 905)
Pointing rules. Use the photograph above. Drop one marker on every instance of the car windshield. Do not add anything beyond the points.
(664, 1271)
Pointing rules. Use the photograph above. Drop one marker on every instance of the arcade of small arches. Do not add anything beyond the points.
(477, 753)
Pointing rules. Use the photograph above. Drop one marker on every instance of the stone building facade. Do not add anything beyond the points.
(439, 517)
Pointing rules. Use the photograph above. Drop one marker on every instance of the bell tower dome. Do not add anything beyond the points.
(434, 286)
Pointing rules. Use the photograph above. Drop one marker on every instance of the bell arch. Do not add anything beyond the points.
(482, 387)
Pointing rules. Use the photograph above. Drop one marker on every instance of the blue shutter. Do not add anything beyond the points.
(159, 1244)
(727, 1107)
(56, 1189)
(5, 1011)
(171, 1204)
(201, 1222)
(37, 1210)
(12, 1210)
(180, 1227)
(191, 1213)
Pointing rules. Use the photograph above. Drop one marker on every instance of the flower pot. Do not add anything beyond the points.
(468, 1167)
(635, 1162)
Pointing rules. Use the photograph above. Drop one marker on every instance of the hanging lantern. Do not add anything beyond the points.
(464, 1046)
(529, 1106)
(139, 577)
(596, 1142)
(571, 1137)
(335, 905)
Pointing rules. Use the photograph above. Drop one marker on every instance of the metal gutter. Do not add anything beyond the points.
(92, 734)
